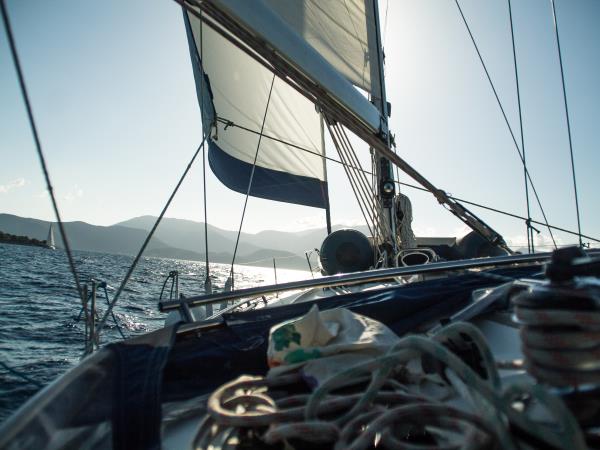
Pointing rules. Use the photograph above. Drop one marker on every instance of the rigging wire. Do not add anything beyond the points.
(530, 244)
(38, 146)
(358, 193)
(562, 76)
(207, 280)
(20, 374)
(150, 234)
(489, 208)
(359, 175)
(260, 136)
(375, 204)
(359, 182)
(512, 134)
(229, 123)
(207, 285)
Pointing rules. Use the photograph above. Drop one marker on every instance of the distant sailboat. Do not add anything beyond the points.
(50, 239)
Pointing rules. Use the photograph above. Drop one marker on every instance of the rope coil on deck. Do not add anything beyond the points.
(384, 400)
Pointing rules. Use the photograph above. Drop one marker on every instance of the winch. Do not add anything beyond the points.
(560, 330)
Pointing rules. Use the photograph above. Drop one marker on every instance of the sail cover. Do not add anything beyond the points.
(239, 98)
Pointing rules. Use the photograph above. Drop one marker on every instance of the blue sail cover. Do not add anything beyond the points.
(235, 96)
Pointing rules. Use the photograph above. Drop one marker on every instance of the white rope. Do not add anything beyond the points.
(405, 232)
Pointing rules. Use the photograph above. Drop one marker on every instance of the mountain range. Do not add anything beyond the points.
(176, 238)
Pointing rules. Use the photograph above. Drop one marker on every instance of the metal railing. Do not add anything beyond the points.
(357, 278)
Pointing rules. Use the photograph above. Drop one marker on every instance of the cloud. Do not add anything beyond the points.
(73, 194)
(14, 184)
(356, 222)
(425, 231)
(461, 231)
(307, 223)
(543, 242)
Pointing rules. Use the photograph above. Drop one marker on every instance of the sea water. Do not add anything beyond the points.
(40, 336)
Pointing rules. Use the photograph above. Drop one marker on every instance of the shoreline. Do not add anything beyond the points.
(12, 239)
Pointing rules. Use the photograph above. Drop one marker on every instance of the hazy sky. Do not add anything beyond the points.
(114, 99)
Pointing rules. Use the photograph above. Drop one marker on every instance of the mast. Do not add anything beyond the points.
(384, 170)
(326, 191)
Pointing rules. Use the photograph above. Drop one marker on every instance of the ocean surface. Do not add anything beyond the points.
(40, 335)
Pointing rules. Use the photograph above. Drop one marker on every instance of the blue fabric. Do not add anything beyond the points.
(266, 183)
(198, 366)
(137, 389)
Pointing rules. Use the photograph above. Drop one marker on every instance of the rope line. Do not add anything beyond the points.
(260, 135)
(381, 225)
(383, 394)
(207, 279)
(81, 311)
(246, 263)
(368, 220)
(150, 234)
(419, 188)
(375, 206)
(361, 188)
(361, 191)
(564, 89)
(530, 244)
(38, 146)
(512, 134)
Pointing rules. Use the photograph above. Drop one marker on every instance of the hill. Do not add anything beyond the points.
(189, 235)
(175, 238)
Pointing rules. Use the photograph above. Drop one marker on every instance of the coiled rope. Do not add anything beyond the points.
(343, 414)
(405, 232)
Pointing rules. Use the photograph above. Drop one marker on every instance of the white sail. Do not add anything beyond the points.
(50, 239)
(237, 103)
(332, 44)
(343, 32)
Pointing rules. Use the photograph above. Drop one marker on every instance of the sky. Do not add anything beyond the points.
(114, 100)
